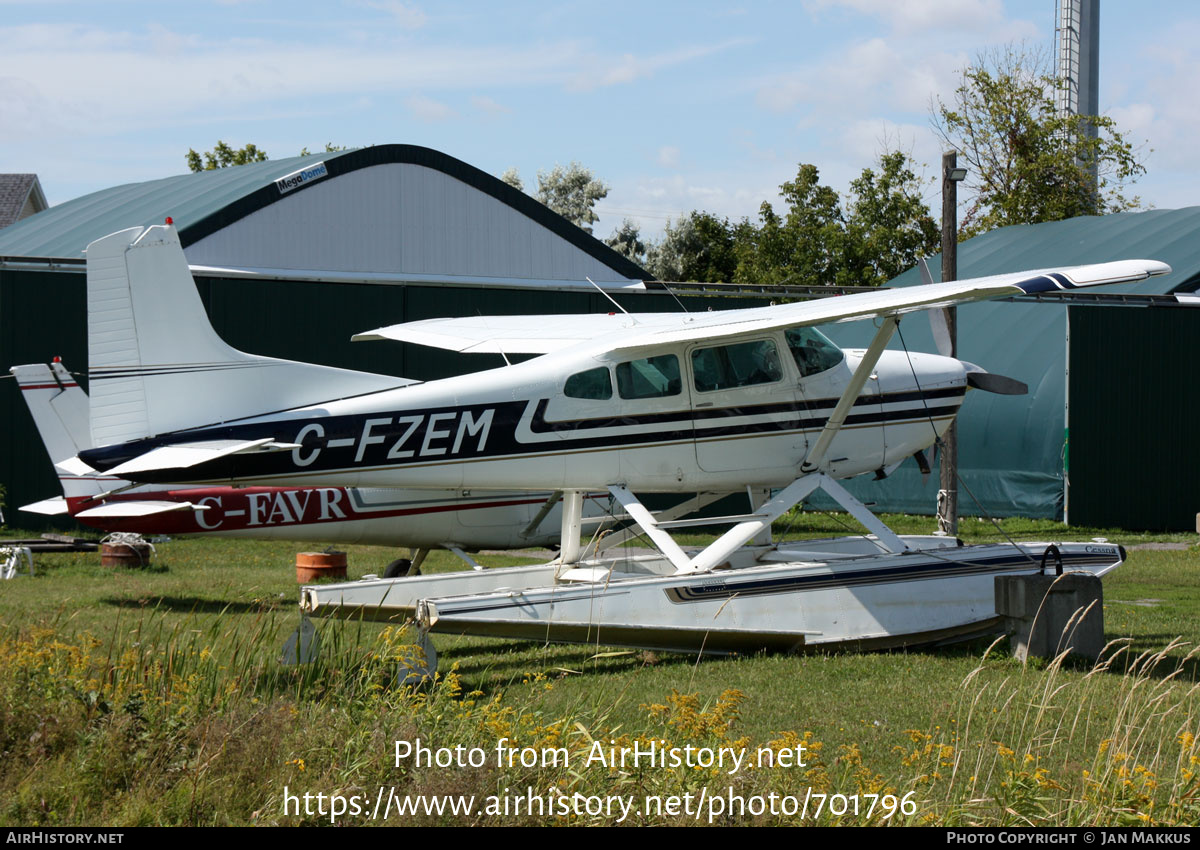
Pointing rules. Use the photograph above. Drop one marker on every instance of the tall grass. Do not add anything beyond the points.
(190, 721)
(1032, 749)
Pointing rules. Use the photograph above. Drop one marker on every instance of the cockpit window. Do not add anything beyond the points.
(594, 383)
(812, 351)
(741, 365)
(652, 377)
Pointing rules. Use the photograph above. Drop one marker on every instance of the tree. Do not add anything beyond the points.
(223, 156)
(513, 178)
(627, 241)
(888, 225)
(880, 229)
(330, 147)
(1025, 161)
(806, 246)
(698, 246)
(571, 192)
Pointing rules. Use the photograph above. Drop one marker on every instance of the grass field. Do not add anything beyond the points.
(155, 696)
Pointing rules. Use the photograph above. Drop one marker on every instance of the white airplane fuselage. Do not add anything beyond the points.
(525, 427)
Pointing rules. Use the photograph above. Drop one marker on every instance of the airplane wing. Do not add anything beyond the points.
(545, 334)
(895, 302)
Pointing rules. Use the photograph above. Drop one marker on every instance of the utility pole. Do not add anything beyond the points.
(947, 503)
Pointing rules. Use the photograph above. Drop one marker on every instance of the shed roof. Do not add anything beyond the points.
(205, 202)
(1172, 236)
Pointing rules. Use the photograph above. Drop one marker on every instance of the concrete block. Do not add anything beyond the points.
(1046, 614)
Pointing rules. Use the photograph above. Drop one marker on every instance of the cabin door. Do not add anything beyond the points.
(745, 400)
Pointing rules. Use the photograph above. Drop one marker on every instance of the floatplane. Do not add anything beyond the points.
(459, 521)
(755, 400)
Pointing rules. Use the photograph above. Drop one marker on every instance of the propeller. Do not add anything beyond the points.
(937, 316)
(977, 377)
(982, 379)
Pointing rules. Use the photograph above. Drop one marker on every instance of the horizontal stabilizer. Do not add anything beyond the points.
(120, 510)
(73, 466)
(185, 455)
(47, 507)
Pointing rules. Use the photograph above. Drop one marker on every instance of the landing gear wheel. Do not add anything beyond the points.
(398, 568)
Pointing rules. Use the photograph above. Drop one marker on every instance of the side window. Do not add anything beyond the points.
(653, 377)
(812, 350)
(594, 383)
(741, 365)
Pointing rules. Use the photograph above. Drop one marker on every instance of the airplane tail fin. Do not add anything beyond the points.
(59, 407)
(155, 363)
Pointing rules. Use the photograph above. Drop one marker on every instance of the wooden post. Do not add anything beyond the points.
(947, 506)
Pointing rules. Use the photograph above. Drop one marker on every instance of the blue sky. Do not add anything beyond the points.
(678, 106)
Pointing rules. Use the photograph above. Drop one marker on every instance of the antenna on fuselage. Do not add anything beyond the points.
(671, 292)
(610, 298)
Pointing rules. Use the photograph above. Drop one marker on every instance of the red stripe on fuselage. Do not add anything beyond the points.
(234, 509)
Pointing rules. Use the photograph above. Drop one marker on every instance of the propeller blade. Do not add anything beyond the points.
(941, 331)
(926, 274)
(999, 384)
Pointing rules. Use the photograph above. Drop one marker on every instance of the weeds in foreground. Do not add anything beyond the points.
(197, 726)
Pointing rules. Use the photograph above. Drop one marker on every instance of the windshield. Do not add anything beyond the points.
(812, 350)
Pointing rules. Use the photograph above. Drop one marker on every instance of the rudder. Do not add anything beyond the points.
(155, 363)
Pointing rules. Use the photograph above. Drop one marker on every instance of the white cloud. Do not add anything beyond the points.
(407, 15)
(908, 17)
(22, 111)
(1153, 103)
(117, 81)
(862, 142)
(168, 42)
(489, 106)
(1134, 119)
(872, 76)
(652, 200)
(668, 156)
(428, 110)
(600, 71)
